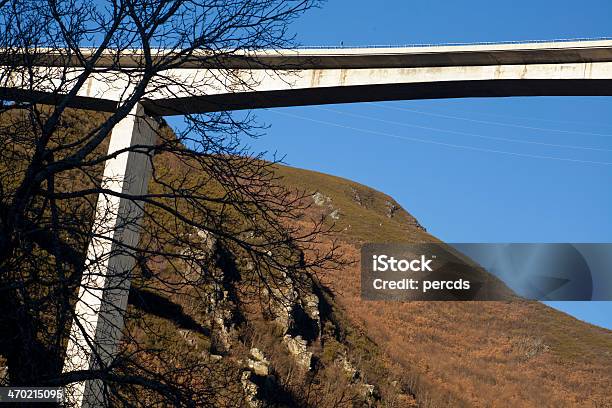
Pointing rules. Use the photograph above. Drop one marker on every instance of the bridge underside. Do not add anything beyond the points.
(375, 93)
(332, 95)
(49, 98)
(268, 79)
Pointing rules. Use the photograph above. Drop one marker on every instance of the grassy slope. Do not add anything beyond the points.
(367, 222)
(462, 353)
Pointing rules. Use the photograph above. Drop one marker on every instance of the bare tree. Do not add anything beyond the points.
(207, 189)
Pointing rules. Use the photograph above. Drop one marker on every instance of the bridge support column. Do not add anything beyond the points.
(98, 323)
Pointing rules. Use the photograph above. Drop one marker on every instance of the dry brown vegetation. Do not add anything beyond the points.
(473, 354)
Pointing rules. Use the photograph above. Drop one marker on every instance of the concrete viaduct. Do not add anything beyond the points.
(319, 76)
(276, 79)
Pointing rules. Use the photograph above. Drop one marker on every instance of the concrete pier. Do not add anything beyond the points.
(106, 279)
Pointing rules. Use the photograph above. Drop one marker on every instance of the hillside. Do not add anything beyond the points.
(315, 343)
(471, 353)
(351, 352)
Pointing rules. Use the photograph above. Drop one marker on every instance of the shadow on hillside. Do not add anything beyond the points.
(160, 306)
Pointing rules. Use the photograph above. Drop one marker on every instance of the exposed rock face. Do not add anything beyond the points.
(226, 330)
(250, 390)
(321, 199)
(292, 306)
(258, 363)
(368, 391)
(391, 208)
(257, 354)
(348, 368)
(392, 211)
(296, 306)
(282, 299)
(220, 308)
(311, 307)
(210, 266)
(208, 239)
(298, 318)
(199, 255)
(356, 196)
(290, 310)
(298, 349)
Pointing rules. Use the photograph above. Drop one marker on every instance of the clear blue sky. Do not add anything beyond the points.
(465, 195)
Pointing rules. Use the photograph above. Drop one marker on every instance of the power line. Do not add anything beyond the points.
(413, 139)
(486, 122)
(457, 132)
(570, 122)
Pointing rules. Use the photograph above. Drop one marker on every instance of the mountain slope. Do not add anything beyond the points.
(471, 353)
(328, 348)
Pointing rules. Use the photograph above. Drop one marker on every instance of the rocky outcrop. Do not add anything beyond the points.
(281, 300)
(356, 197)
(368, 392)
(298, 318)
(293, 312)
(250, 390)
(214, 266)
(202, 252)
(223, 322)
(208, 239)
(352, 373)
(258, 363)
(294, 306)
(322, 200)
(391, 208)
(298, 348)
(310, 304)
(221, 310)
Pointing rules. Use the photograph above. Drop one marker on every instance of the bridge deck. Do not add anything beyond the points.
(275, 78)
